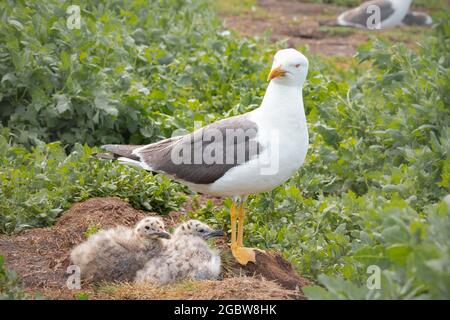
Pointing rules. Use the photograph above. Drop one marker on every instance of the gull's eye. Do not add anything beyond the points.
(297, 65)
(147, 227)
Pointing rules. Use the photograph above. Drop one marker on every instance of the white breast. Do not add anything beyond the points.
(284, 141)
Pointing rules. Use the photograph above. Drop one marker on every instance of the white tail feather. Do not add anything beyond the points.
(130, 162)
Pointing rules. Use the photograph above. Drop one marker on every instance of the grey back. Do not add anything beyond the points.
(230, 141)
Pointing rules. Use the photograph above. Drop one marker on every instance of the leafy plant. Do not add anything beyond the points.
(125, 75)
(37, 186)
(10, 288)
(414, 254)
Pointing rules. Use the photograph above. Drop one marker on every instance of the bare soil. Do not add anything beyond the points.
(41, 257)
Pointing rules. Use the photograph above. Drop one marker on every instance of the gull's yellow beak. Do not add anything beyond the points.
(275, 73)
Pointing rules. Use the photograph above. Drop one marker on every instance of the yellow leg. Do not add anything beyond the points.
(241, 217)
(243, 255)
(233, 223)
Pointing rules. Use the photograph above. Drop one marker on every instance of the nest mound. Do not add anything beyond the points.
(41, 257)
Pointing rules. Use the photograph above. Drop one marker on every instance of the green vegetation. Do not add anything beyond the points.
(37, 185)
(410, 248)
(378, 168)
(234, 7)
(10, 288)
(91, 229)
(82, 296)
(126, 75)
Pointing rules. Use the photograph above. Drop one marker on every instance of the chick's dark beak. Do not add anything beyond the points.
(163, 234)
(215, 233)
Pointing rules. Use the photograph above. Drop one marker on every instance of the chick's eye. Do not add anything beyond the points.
(297, 65)
(147, 227)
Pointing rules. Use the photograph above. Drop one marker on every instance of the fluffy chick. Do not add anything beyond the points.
(117, 254)
(187, 256)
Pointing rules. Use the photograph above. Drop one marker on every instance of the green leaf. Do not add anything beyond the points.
(16, 24)
(62, 103)
(399, 253)
(101, 102)
(316, 293)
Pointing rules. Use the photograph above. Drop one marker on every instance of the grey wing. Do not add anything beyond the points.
(207, 154)
(360, 15)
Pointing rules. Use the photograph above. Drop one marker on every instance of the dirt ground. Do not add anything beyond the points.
(308, 24)
(41, 257)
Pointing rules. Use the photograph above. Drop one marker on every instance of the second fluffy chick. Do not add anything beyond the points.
(186, 256)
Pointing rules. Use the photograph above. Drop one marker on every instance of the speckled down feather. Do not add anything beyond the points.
(187, 256)
(117, 254)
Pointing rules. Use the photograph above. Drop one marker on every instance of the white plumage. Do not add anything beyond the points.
(186, 256)
(116, 254)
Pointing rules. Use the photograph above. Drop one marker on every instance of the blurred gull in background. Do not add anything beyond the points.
(376, 14)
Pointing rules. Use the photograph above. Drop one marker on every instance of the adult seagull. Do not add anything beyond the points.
(390, 13)
(241, 155)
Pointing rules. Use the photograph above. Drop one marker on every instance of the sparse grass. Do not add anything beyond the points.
(338, 31)
(81, 296)
(407, 34)
(91, 229)
(394, 35)
(241, 288)
(233, 7)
